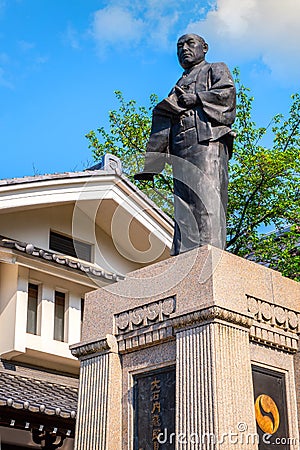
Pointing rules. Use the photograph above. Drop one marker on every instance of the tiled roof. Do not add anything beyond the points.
(107, 165)
(61, 260)
(52, 176)
(37, 396)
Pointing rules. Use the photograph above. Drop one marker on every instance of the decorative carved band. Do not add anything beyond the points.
(165, 330)
(147, 325)
(89, 348)
(210, 314)
(274, 337)
(274, 315)
(143, 316)
(145, 338)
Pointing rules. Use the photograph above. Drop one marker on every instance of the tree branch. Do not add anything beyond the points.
(250, 198)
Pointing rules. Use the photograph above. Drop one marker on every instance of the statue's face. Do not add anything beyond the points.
(190, 50)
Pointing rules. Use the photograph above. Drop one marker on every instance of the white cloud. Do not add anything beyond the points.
(159, 29)
(251, 29)
(71, 37)
(4, 58)
(130, 22)
(116, 25)
(264, 31)
(4, 81)
(2, 5)
(26, 46)
(41, 59)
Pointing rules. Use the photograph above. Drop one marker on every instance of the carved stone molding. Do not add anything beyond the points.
(157, 333)
(89, 349)
(145, 338)
(274, 326)
(274, 337)
(144, 316)
(211, 314)
(274, 315)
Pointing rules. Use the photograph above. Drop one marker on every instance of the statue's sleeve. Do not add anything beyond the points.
(219, 101)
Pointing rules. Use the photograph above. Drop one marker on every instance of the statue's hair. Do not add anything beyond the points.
(199, 38)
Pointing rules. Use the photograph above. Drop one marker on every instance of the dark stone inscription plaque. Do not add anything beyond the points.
(270, 409)
(154, 410)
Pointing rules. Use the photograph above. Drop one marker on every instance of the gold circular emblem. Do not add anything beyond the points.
(267, 414)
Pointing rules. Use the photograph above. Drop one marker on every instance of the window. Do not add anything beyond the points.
(82, 312)
(59, 316)
(69, 246)
(32, 309)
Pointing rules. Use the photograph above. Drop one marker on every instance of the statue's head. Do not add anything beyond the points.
(191, 50)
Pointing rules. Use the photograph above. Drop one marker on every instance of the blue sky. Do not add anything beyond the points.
(61, 60)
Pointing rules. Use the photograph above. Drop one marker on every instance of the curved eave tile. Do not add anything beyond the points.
(61, 260)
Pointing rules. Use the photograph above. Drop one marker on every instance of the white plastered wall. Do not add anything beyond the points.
(33, 226)
(8, 307)
(19, 345)
(45, 343)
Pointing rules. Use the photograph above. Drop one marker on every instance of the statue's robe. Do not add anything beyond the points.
(198, 143)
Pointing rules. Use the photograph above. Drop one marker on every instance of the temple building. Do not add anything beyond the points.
(61, 236)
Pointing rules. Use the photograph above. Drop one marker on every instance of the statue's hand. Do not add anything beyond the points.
(188, 100)
(144, 176)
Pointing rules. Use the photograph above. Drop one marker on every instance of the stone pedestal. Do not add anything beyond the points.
(214, 386)
(218, 319)
(99, 414)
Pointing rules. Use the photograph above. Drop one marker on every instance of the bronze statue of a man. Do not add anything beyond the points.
(191, 128)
